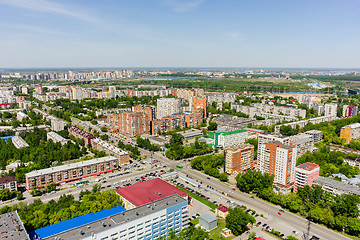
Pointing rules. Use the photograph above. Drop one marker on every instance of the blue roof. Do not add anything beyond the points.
(7, 137)
(60, 227)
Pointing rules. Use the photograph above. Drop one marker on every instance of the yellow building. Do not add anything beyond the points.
(350, 132)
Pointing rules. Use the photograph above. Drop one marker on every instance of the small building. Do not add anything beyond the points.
(207, 221)
(226, 232)
(222, 211)
(11, 227)
(8, 182)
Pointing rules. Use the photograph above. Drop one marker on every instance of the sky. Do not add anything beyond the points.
(180, 33)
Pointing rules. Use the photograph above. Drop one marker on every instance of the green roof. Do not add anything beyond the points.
(233, 132)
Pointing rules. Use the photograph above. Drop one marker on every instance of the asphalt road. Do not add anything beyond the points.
(268, 210)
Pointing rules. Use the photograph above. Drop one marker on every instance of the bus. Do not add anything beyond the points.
(82, 182)
(178, 166)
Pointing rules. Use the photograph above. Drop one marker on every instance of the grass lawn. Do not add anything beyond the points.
(195, 221)
(200, 199)
(216, 233)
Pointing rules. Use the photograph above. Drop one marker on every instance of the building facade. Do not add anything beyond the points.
(146, 222)
(350, 110)
(279, 160)
(198, 103)
(101, 145)
(350, 132)
(239, 158)
(167, 106)
(129, 123)
(305, 174)
(8, 182)
(71, 172)
(78, 133)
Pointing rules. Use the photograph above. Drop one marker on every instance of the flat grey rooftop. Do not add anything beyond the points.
(11, 227)
(118, 219)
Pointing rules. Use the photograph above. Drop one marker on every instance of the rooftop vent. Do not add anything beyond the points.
(81, 232)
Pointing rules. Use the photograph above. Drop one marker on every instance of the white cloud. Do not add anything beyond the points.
(50, 7)
(184, 5)
(31, 28)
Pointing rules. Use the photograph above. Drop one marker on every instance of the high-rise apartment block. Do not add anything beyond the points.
(350, 132)
(39, 89)
(167, 107)
(305, 174)
(25, 89)
(175, 121)
(279, 160)
(350, 110)
(198, 103)
(112, 91)
(239, 158)
(128, 123)
(330, 109)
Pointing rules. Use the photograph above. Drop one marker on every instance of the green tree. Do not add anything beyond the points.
(224, 177)
(237, 220)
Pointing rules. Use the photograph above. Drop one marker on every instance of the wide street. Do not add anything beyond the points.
(287, 222)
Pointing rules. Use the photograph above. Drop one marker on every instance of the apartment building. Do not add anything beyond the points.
(112, 91)
(279, 160)
(57, 124)
(25, 90)
(176, 121)
(198, 103)
(187, 94)
(19, 142)
(101, 145)
(350, 132)
(150, 221)
(78, 133)
(316, 135)
(227, 139)
(350, 111)
(71, 172)
(330, 109)
(8, 182)
(56, 138)
(305, 174)
(302, 123)
(220, 97)
(336, 187)
(167, 107)
(12, 227)
(239, 158)
(24, 105)
(129, 123)
(260, 109)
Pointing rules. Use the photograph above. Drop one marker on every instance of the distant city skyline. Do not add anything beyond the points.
(179, 33)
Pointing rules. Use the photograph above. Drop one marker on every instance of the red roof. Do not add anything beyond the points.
(223, 209)
(146, 192)
(7, 179)
(308, 166)
(259, 238)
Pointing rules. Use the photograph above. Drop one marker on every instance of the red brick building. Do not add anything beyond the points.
(78, 133)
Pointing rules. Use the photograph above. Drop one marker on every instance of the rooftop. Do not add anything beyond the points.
(7, 179)
(11, 227)
(19, 142)
(69, 166)
(110, 220)
(146, 192)
(56, 137)
(308, 166)
(207, 217)
(76, 222)
(223, 209)
(339, 186)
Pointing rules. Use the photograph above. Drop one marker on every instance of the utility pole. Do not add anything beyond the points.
(308, 230)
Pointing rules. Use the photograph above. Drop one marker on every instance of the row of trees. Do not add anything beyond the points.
(339, 212)
(189, 233)
(237, 220)
(41, 153)
(134, 150)
(38, 214)
(210, 164)
(177, 151)
(330, 162)
(145, 143)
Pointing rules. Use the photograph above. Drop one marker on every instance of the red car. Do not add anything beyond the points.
(279, 213)
(233, 189)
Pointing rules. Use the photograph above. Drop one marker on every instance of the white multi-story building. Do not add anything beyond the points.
(167, 107)
(330, 109)
(279, 160)
(150, 221)
(56, 138)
